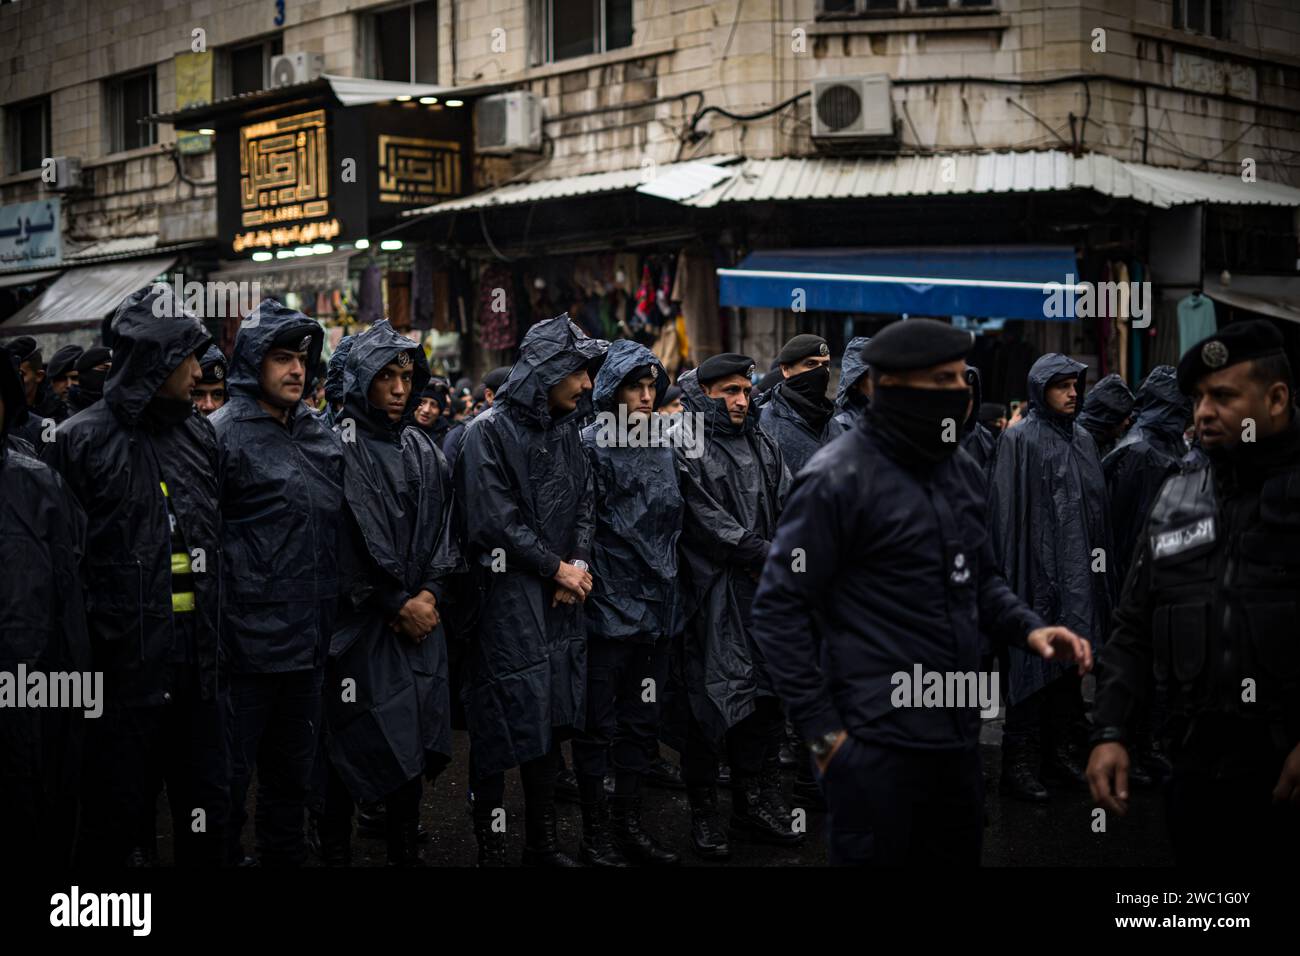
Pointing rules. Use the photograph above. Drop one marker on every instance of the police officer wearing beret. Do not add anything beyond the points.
(210, 393)
(882, 564)
(1210, 606)
(796, 412)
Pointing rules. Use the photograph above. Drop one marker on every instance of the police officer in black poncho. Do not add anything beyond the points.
(387, 697)
(1210, 608)
(796, 412)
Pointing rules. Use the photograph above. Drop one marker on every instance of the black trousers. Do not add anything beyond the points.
(538, 779)
(1219, 800)
(893, 807)
(183, 742)
(1050, 717)
(751, 746)
(274, 725)
(402, 806)
(622, 710)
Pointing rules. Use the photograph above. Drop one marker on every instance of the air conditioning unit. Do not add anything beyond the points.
(290, 69)
(508, 122)
(67, 173)
(853, 108)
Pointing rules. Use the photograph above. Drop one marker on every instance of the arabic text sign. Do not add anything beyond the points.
(417, 170)
(30, 235)
(283, 171)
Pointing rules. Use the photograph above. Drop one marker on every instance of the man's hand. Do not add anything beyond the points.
(565, 596)
(1288, 782)
(1108, 776)
(574, 579)
(418, 616)
(1050, 642)
(824, 762)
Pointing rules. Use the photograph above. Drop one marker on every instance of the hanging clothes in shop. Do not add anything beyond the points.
(1119, 271)
(1196, 320)
(696, 288)
(422, 297)
(371, 308)
(496, 308)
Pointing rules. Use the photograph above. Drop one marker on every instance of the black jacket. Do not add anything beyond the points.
(850, 403)
(791, 432)
(880, 565)
(1212, 600)
(114, 457)
(280, 489)
(733, 492)
(638, 510)
(1144, 458)
(525, 484)
(398, 502)
(1048, 512)
(981, 443)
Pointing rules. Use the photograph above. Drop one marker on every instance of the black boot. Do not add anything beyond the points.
(707, 835)
(638, 846)
(540, 845)
(491, 843)
(664, 775)
(597, 847)
(335, 841)
(1063, 765)
(1019, 773)
(760, 819)
(806, 792)
(773, 797)
(402, 832)
(370, 820)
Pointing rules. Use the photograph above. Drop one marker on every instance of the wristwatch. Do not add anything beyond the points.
(579, 564)
(821, 746)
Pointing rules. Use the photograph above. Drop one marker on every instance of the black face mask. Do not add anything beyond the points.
(168, 411)
(921, 418)
(90, 382)
(811, 384)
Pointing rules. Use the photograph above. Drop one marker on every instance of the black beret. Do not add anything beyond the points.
(720, 366)
(95, 355)
(63, 361)
(672, 394)
(297, 336)
(24, 347)
(802, 346)
(214, 366)
(497, 377)
(436, 389)
(1238, 342)
(916, 343)
(991, 412)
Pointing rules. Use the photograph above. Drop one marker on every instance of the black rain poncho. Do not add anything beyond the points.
(281, 485)
(1107, 403)
(114, 457)
(850, 403)
(734, 492)
(1144, 458)
(796, 438)
(638, 510)
(1047, 512)
(397, 495)
(525, 484)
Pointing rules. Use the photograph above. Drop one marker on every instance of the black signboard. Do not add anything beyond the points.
(324, 174)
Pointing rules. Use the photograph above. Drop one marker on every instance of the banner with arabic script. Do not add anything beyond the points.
(30, 235)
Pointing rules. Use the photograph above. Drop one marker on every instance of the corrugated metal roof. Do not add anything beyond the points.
(675, 174)
(776, 180)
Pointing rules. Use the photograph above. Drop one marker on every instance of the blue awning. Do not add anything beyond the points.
(1012, 282)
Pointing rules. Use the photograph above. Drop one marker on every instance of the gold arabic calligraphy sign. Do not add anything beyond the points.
(283, 170)
(414, 170)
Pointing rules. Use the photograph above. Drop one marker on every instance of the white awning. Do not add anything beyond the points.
(85, 296)
(25, 278)
(359, 91)
(669, 180)
(1275, 296)
(828, 178)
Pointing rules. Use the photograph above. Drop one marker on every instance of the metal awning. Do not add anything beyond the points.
(670, 180)
(84, 296)
(958, 174)
(348, 90)
(1274, 296)
(25, 278)
(1011, 282)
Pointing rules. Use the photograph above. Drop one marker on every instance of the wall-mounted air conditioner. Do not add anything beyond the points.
(853, 108)
(67, 173)
(508, 122)
(290, 69)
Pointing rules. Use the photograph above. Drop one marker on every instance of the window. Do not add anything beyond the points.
(578, 27)
(247, 68)
(28, 134)
(1207, 17)
(836, 9)
(131, 99)
(405, 43)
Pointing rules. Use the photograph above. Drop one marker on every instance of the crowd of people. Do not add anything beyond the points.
(314, 572)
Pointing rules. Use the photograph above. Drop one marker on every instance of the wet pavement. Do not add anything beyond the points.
(1058, 833)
